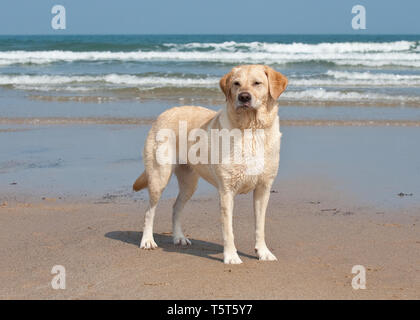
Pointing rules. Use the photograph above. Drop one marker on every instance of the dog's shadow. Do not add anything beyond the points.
(198, 248)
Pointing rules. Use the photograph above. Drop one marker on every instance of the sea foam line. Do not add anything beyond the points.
(118, 79)
(373, 59)
(351, 96)
(330, 78)
(298, 47)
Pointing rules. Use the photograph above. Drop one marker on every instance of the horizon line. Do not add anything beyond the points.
(211, 34)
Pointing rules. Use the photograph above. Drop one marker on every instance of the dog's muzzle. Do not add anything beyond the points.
(244, 100)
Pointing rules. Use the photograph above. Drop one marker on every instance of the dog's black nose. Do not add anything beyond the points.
(244, 97)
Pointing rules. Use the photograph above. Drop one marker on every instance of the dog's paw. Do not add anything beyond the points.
(231, 258)
(265, 255)
(148, 244)
(182, 241)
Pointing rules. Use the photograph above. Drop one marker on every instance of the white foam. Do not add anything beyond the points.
(115, 79)
(352, 96)
(160, 81)
(363, 54)
(372, 76)
(47, 88)
(358, 79)
(297, 47)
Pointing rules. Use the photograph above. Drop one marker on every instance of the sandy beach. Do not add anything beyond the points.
(318, 225)
(316, 241)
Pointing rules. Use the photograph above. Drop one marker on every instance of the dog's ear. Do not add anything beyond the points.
(277, 82)
(225, 84)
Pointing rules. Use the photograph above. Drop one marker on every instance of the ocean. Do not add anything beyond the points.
(323, 71)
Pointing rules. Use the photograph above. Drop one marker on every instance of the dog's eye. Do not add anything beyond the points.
(257, 83)
(236, 83)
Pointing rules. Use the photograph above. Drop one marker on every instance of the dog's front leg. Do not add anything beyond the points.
(261, 196)
(230, 255)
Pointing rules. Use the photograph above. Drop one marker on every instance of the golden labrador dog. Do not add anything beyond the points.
(186, 141)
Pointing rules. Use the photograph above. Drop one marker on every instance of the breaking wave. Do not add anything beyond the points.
(368, 54)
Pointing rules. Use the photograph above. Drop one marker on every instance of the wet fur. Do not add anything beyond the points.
(229, 179)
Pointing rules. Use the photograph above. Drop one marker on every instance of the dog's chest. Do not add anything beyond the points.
(259, 162)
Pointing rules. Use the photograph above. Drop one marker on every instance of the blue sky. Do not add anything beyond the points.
(210, 16)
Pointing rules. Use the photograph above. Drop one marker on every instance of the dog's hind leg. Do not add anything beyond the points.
(157, 180)
(187, 182)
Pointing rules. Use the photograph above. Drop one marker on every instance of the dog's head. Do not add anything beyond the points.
(249, 87)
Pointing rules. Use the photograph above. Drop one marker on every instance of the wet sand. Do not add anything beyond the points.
(148, 121)
(66, 200)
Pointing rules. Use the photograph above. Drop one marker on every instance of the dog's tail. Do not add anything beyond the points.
(141, 182)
